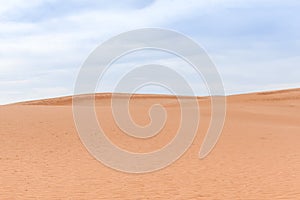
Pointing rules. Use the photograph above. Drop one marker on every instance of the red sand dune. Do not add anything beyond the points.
(257, 156)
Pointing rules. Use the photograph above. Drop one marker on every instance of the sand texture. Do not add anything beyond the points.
(257, 156)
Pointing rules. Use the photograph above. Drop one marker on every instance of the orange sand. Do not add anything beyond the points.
(257, 156)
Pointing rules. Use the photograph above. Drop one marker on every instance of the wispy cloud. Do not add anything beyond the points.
(43, 43)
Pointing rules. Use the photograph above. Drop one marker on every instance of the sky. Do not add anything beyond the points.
(254, 44)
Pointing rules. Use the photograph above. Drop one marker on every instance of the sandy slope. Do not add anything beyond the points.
(257, 156)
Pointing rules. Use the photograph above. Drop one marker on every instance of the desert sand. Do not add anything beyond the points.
(256, 157)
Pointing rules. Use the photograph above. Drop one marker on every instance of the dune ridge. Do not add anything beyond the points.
(267, 96)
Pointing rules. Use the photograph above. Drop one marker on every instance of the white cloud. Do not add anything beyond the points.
(36, 38)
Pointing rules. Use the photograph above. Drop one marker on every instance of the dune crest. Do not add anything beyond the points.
(293, 94)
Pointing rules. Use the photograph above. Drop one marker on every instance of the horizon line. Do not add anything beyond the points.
(151, 94)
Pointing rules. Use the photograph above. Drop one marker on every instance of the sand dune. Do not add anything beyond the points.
(257, 156)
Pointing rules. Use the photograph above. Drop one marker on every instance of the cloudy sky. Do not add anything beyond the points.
(254, 44)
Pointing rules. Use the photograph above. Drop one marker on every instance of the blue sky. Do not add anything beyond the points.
(254, 44)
